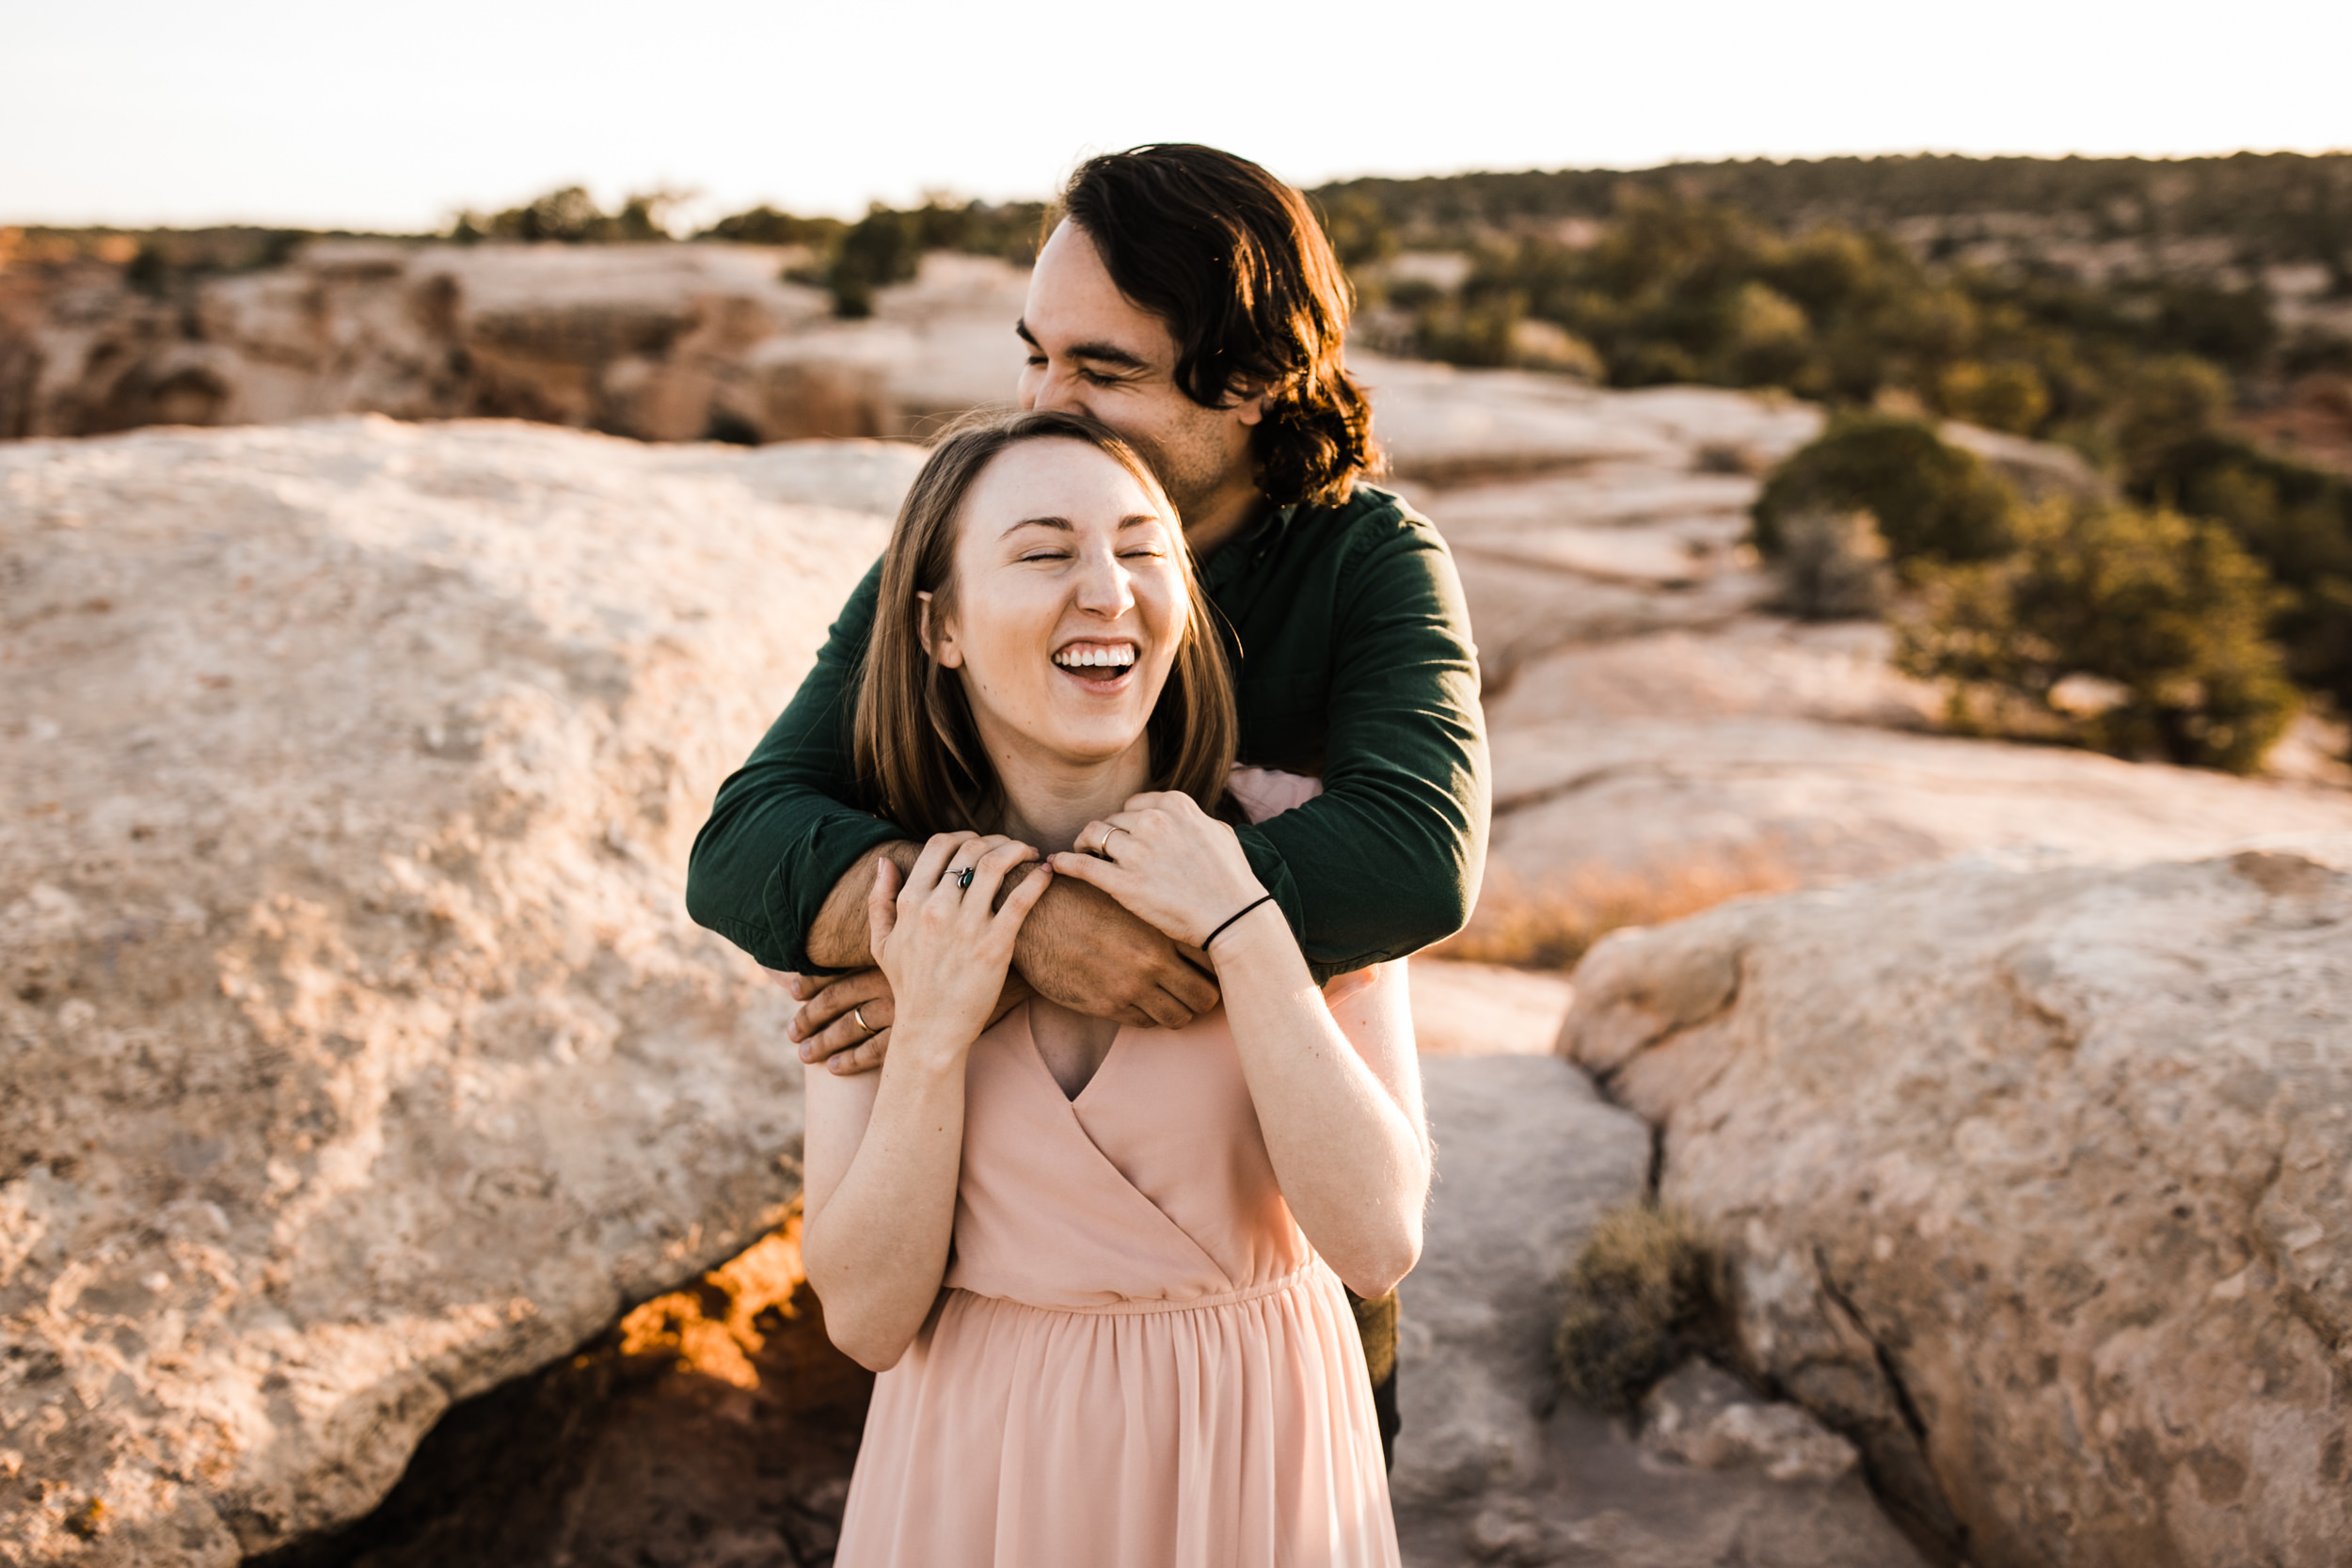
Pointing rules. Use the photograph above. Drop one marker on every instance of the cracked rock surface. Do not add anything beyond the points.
(1493, 1465)
(2033, 1181)
(359, 1052)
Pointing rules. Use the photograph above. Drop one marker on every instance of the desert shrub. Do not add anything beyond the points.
(2172, 401)
(1479, 328)
(2163, 617)
(160, 257)
(1832, 566)
(2296, 520)
(2234, 326)
(881, 249)
(888, 244)
(1359, 231)
(765, 225)
(2011, 397)
(1930, 499)
(1642, 1295)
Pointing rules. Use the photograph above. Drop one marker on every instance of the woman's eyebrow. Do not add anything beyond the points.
(1062, 523)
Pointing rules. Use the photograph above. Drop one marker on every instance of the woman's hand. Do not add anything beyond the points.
(943, 943)
(1169, 862)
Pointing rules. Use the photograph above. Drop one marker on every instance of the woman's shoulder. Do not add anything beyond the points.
(1264, 792)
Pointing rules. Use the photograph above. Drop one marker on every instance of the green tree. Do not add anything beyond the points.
(881, 249)
(2133, 632)
(2011, 396)
(1932, 499)
(2296, 520)
(765, 225)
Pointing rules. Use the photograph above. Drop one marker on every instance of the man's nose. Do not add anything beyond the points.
(1060, 392)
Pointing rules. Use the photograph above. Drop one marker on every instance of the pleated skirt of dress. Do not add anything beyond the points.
(1234, 1430)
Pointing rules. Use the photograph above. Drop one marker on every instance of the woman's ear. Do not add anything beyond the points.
(941, 647)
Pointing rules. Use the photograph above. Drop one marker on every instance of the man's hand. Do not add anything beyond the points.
(844, 1022)
(1082, 948)
(827, 1029)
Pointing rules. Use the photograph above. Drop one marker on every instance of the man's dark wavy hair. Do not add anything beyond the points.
(1234, 261)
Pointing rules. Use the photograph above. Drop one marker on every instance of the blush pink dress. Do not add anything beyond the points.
(1137, 1361)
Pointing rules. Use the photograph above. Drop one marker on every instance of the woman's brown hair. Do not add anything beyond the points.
(916, 748)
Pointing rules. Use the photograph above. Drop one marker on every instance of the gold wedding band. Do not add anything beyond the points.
(1105, 848)
(858, 1012)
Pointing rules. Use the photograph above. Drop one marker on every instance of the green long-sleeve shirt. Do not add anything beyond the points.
(1352, 661)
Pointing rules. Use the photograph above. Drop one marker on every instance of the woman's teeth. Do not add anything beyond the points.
(1095, 658)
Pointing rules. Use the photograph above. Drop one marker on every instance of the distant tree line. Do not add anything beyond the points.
(2274, 207)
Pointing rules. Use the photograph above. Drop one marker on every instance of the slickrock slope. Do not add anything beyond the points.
(1797, 801)
(1663, 738)
(359, 1051)
(2033, 1184)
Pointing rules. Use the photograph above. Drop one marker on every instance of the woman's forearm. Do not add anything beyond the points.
(877, 1250)
(1354, 1165)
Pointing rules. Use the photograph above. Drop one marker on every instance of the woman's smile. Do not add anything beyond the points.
(1102, 667)
(1063, 552)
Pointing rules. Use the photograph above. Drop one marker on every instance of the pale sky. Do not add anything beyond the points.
(394, 116)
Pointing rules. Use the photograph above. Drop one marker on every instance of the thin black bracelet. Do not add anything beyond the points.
(1244, 910)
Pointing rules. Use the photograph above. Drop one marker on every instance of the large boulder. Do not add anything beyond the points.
(1494, 1465)
(360, 1054)
(2032, 1181)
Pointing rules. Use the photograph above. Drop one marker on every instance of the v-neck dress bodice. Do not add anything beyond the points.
(1137, 1361)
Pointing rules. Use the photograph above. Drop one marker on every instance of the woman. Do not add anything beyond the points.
(1141, 1354)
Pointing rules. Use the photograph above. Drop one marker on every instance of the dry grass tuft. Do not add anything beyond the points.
(1642, 1295)
(1552, 927)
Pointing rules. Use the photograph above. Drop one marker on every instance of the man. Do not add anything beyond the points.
(1189, 300)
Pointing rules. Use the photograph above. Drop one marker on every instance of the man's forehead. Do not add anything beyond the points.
(1075, 309)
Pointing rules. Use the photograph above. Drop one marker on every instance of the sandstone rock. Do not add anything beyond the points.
(1475, 1009)
(669, 342)
(1754, 666)
(2032, 1184)
(1441, 424)
(1492, 1465)
(1704, 1417)
(1521, 612)
(1542, 1159)
(1788, 802)
(360, 1054)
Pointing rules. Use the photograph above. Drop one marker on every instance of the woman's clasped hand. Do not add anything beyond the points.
(944, 941)
(1169, 862)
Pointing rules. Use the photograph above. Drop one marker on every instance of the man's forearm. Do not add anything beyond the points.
(843, 937)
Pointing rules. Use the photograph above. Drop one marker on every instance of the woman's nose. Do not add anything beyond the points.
(1104, 588)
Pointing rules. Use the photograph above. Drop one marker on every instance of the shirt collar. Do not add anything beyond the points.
(1246, 549)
